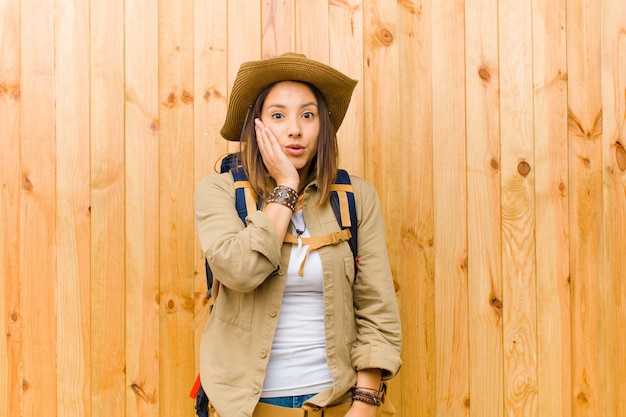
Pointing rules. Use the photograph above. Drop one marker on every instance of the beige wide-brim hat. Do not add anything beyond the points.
(254, 76)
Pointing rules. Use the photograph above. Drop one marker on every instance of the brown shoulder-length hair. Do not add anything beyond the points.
(324, 164)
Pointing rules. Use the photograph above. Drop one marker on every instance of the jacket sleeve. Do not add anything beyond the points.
(379, 334)
(241, 258)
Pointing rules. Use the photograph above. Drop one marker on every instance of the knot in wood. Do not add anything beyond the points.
(620, 156)
(212, 93)
(496, 304)
(171, 100)
(523, 168)
(27, 184)
(385, 36)
(484, 74)
(186, 97)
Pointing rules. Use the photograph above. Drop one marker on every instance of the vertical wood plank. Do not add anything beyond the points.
(551, 182)
(518, 208)
(244, 41)
(483, 211)
(585, 201)
(107, 209)
(210, 79)
(72, 208)
(277, 23)
(413, 392)
(176, 223)
(142, 208)
(38, 271)
(381, 99)
(346, 52)
(612, 286)
(10, 183)
(312, 29)
(450, 193)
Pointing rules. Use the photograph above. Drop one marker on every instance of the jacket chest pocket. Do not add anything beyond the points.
(234, 307)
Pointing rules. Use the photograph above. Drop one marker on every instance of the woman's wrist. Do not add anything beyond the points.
(285, 196)
(291, 184)
(366, 395)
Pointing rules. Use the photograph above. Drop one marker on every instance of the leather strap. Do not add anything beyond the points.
(316, 242)
(268, 410)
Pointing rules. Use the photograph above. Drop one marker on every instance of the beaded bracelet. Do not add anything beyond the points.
(360, 394)
(284, 196)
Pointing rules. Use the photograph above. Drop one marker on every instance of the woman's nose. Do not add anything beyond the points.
(294, 129)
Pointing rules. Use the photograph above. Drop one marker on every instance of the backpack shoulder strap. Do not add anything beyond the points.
(344, 207)
(245, 198)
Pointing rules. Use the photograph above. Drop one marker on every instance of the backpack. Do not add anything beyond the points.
(343, 205)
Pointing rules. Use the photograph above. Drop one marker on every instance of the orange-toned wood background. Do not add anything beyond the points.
(493, 131)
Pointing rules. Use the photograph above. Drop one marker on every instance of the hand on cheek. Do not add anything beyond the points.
(275, 160)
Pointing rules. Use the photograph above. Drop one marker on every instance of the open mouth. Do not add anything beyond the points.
(295, 150)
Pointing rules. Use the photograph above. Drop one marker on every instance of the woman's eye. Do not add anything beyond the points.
(277, 116)
(308, 115)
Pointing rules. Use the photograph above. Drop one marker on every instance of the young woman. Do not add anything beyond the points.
(293, 331)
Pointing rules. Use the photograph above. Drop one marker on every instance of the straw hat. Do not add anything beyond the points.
(254, 76)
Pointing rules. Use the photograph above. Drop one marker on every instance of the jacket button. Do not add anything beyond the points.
(255, 390)
(273, 313)
(263, 354)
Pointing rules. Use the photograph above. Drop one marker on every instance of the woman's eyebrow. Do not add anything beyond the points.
(282, 106)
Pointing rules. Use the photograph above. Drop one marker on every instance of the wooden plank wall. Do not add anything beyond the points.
(493, 131)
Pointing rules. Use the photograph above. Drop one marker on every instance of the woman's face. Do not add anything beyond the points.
(290, 111)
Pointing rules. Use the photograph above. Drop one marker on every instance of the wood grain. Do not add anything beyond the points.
(551, 184)
(10, 191)
(244, 40)
(518, 209)
(176, 223)
(73, 209)
(585, 202)
(277, 27)
(483, 212)
(312, 30)
(612, 288)
(346, 39)
(413, 391)
(38, 257)
(141, 165)
(450, 205)
(107, 209)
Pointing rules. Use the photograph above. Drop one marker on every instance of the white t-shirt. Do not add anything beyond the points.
(297, 364)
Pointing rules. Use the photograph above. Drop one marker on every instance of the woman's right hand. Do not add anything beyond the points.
(275, 160)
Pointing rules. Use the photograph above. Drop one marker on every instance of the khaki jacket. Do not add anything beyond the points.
(362, 322)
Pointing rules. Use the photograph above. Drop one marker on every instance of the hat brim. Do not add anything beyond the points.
(253, 77)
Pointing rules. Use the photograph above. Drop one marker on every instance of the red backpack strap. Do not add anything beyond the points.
(196, 387)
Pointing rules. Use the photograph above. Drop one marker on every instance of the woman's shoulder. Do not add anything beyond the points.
(215, 183)
(217, 180)
(362, 186)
